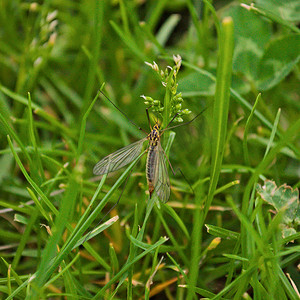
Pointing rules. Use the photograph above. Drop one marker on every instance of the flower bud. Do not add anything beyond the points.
(186, 112)
(177, 59)
(178, 107)
(147, 98)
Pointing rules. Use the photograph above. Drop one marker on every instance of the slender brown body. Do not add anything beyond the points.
(152, 157)
(156, 170)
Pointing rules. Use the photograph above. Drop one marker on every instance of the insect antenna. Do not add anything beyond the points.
(186, 123)
(147, 112)
(186, 180)
(140, 128)
(171, 121)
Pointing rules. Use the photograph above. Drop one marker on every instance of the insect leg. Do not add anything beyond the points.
(126, 180)
(186, 123)
(178, 169)
(171, 121)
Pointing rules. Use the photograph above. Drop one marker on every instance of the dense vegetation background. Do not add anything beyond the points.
(235, 236)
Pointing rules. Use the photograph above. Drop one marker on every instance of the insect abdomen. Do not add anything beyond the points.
(151, 160)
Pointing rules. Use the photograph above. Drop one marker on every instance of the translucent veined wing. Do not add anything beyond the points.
(161, 176)
(119, 159)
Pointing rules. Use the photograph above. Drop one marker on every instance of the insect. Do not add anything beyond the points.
(156, 167)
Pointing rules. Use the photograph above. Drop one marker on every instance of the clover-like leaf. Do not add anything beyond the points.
(287, 231)
(279, 59)
(283, 198)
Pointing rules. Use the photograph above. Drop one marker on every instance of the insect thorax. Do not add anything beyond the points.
(154, 136)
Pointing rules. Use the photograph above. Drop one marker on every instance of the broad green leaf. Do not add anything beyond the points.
(279, 59)
(202, 84)
(288, 10)
(285, 199)
(240, 85)
(251, 34)
(288, 231)
(196, 84)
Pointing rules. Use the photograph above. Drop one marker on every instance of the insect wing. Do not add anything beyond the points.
(161, 176)
(119, 159)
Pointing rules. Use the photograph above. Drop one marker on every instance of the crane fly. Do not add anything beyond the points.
(156, 168)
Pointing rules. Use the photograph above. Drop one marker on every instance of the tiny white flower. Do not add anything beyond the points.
(33, 6)
(177, 59)
(38, 61)
(52, 25)
(148, 64)
(52, 38)
(51, 16)
(155, 66)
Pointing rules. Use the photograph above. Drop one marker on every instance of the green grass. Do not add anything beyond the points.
(236, 236)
